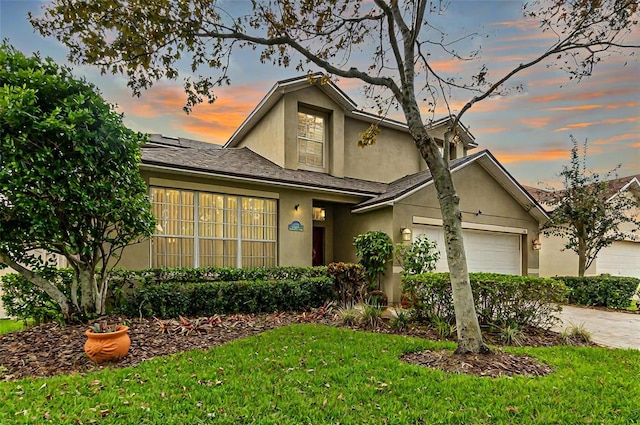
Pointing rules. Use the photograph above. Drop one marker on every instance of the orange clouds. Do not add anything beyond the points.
(609, 121)
(491, 130)
(576, 107)
(215, 122)
(543, 155)
(536, 122)
(619, 138)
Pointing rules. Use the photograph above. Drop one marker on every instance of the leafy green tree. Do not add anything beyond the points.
(420, 257)
(69, 180)
(375, 249)
(587, 213)
(148, 41)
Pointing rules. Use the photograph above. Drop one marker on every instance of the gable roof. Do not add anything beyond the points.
(337, 95)
(408, 185)
(614, 186)
(160, 140)
(246, 165)
(630, 183)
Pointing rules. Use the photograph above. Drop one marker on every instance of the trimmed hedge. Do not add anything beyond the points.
(173, 299)
(500, 300)
(162, 290)
(601, 291)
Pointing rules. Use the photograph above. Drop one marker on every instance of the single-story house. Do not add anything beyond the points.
(292, 188)
(622, 258)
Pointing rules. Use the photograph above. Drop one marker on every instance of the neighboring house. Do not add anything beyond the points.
(292, 188)
(622, 258)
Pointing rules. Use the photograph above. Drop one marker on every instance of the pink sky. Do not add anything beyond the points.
(527, 130)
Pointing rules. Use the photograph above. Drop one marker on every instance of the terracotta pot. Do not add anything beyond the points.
(109, 346)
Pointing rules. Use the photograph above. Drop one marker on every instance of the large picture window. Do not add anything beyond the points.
(311, 131)
(199, 229)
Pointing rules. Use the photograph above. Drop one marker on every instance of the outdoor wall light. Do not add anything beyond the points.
(319, 214)
(536, 244)
(406, 234)
(296, 207)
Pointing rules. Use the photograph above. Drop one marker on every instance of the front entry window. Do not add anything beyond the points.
(200, 229)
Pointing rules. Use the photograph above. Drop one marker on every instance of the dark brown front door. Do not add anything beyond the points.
(318, 246)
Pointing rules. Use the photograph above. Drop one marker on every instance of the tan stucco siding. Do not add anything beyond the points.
(394, 154)
(556, 262)
(294, 247)
(348, 225)
(313, 99)
(478, 191)
(267, 137)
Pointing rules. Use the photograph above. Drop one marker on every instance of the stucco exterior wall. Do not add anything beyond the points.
(267, 137)
(478, 192)
(350, 225)
(294, 247)
(394, 155)
(313, 99)
(555, 262)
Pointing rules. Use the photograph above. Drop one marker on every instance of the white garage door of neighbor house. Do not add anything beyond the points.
(620, 259)
(486, 251)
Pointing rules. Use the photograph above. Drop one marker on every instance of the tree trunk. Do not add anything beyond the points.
(582, 257)
(45, 285)
(87, 282)
(467, 326)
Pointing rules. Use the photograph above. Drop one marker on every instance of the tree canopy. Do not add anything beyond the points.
(390, 45)
(587, 213)
(69, 179)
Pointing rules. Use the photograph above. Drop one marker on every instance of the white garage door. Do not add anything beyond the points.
(486, 251)
(620, 259)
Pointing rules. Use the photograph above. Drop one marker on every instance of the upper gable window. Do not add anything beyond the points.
(311, 139)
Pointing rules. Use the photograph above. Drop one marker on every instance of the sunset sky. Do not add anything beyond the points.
(527, 130)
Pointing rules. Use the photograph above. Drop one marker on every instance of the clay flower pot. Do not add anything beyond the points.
(108, 346)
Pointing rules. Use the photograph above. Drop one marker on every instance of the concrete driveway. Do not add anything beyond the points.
(609, 329)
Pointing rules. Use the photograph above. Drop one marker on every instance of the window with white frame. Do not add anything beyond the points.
(200, 229)
(311, 138)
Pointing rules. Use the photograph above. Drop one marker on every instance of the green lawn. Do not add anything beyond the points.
(311, 374)
(10, 325)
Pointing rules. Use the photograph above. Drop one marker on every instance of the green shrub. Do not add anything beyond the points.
(601, 291)
(500, 300)
(24, 300)
(350, 282)
(173, 299)
(375, 249)
(420, 257)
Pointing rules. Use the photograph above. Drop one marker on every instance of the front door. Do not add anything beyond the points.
(318, 246)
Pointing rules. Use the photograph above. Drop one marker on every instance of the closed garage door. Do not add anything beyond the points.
(486, 251)
(620, 259)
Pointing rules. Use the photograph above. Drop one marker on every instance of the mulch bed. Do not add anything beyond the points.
(51, 349)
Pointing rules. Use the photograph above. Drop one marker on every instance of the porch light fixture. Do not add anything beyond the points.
(319, 214)
(296, 207)
(536, 244)
(406, 234)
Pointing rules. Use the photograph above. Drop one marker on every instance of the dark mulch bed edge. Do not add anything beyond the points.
(51, 349)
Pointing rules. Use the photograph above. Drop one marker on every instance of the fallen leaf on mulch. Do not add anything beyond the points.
(495, 364)
(50, 349)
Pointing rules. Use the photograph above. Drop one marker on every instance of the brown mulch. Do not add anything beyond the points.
(496, 364)
(51, 349)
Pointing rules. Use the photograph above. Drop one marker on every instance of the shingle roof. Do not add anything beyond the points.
(540, 195)
(160, 140)
(410, 182)
(245, 164)
(613, 187)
